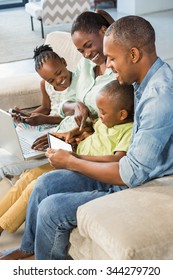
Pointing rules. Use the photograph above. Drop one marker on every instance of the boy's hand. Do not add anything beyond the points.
(74, 136)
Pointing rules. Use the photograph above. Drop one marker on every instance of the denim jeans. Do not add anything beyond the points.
(51, 213)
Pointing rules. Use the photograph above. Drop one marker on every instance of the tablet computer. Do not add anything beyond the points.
(57, 143)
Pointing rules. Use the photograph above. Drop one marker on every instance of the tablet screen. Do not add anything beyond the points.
(56, 143)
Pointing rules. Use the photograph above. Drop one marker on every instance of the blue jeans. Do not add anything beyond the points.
(51, 212)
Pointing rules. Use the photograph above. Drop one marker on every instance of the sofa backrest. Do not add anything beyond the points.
(62, 44)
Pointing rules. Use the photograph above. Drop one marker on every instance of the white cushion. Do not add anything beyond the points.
(61, 43)
(34, 9)
(23, 91)
(131, 224)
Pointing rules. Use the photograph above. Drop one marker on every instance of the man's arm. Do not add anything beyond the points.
(109, 158)
(107, 172)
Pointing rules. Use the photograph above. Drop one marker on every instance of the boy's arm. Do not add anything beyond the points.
(71, 135)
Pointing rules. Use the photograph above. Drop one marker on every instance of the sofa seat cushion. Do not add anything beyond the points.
(84, 248)
(131, 224)
(22, 91)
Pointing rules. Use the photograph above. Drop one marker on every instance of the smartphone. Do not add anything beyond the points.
(13, 111)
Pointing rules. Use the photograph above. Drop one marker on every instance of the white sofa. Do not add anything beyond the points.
(134, 224)
(131, 224)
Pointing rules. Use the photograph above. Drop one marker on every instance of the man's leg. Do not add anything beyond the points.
(54, 182)
(56, 218)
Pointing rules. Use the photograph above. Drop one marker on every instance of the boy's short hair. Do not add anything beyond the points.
(121, 93)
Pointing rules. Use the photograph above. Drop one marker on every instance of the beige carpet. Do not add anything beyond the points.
(17, 40)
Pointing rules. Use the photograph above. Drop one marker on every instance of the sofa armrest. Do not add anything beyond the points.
(131, 224)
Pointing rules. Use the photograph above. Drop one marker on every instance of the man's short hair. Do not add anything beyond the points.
(133, 31)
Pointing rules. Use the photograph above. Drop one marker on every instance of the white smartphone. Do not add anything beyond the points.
(56, 143)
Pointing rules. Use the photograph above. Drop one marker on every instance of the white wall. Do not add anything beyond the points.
(138, 7)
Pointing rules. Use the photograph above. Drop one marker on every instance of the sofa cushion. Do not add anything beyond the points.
(20, 90)
(34, 9)
(84, 248)
(131, 224)
(62, 43)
